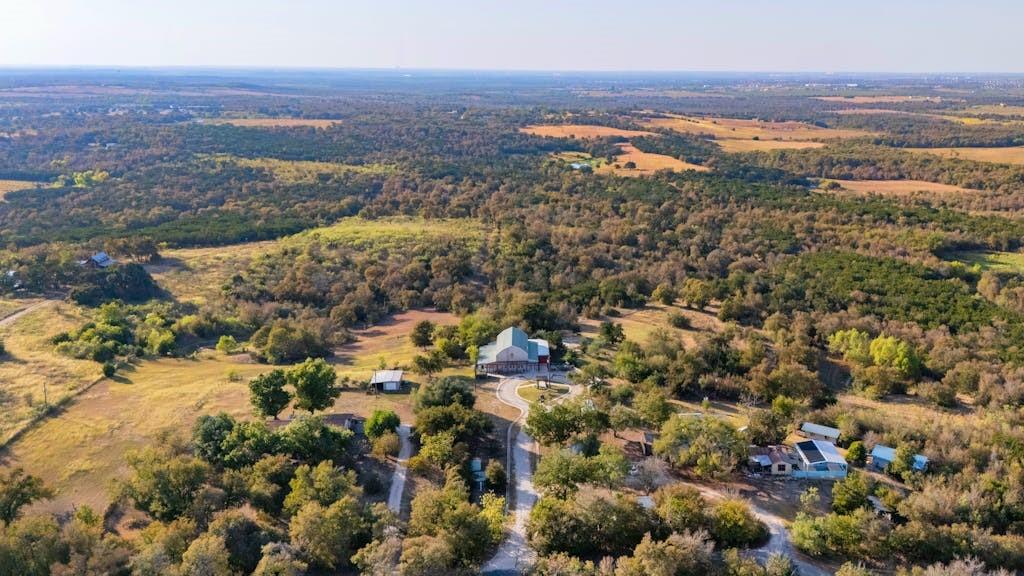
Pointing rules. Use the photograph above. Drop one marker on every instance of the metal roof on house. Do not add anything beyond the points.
(888, 454)
(512, 336)
(382, 376)
(826, 431)
(102, 259)
(816, 451)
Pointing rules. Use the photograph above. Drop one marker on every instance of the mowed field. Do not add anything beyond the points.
(81, 450)
(998, 261)
(583, 131)
(15, 185)
(899, 187)
(743, 129)
(30, 363)
(1007, 155)
(646, 163)
(274, 122)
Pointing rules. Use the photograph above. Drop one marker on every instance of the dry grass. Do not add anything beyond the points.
(580, 131)
(646, 163)
(197, 274)
(900, 187)
(736, 145)
(741, 129)
(998, 261)
(637, 325)
(386, 343)
(15, 185)
(1006, 155)
(274, 122)
(81, 450)
(31, 362)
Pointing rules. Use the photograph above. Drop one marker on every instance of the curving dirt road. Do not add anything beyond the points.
(514, 554)
(11, 319)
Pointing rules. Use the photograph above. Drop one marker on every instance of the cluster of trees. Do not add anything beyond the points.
(448, 426)
(578, 527)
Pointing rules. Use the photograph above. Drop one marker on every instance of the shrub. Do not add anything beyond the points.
(109, 368)
(497, 477)
(387, 444)
(677, 320)
(380, 423)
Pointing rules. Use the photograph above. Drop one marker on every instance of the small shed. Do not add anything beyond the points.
(819, 432)
(881, 456)
(387, 380)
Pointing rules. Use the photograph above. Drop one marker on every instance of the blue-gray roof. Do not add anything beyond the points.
(888, 454)
(513, 336)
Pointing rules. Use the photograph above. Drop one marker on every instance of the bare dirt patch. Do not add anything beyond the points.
(878, 99)
(736, 145)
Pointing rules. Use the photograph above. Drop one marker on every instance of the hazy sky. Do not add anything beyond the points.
(744, 35)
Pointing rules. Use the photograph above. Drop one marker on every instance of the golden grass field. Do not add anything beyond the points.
(31, 362)
(15, 185)
(742, 129)
(303, 171)
(580, 131)
(900, 187)
(274, 122)
(81, 450)
(389, 232)
(1006, 155)
(646, 163)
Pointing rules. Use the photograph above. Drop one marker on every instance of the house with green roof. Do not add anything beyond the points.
(513, 352)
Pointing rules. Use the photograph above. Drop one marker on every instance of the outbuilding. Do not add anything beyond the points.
(881, 456)
(387, 380)
(819, 432)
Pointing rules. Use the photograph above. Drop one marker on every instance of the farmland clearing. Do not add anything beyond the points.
(999, 155)
(7, 186)
(646, 163)
(582, 131)
(900, 187)
(743, 129)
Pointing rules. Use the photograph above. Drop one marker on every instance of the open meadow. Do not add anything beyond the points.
(582, 131)
(645, 163)
(999, 155)
(7, 186)
(31, 365)
(899, 187)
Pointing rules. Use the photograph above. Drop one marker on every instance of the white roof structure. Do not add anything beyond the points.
(816, 452)
(818, 429)
(382, 376)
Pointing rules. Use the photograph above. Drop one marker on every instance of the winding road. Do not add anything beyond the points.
(398, 477)
(12, 318)
(514, 554)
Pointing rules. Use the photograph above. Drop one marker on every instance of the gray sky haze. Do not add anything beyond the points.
(599, 35)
